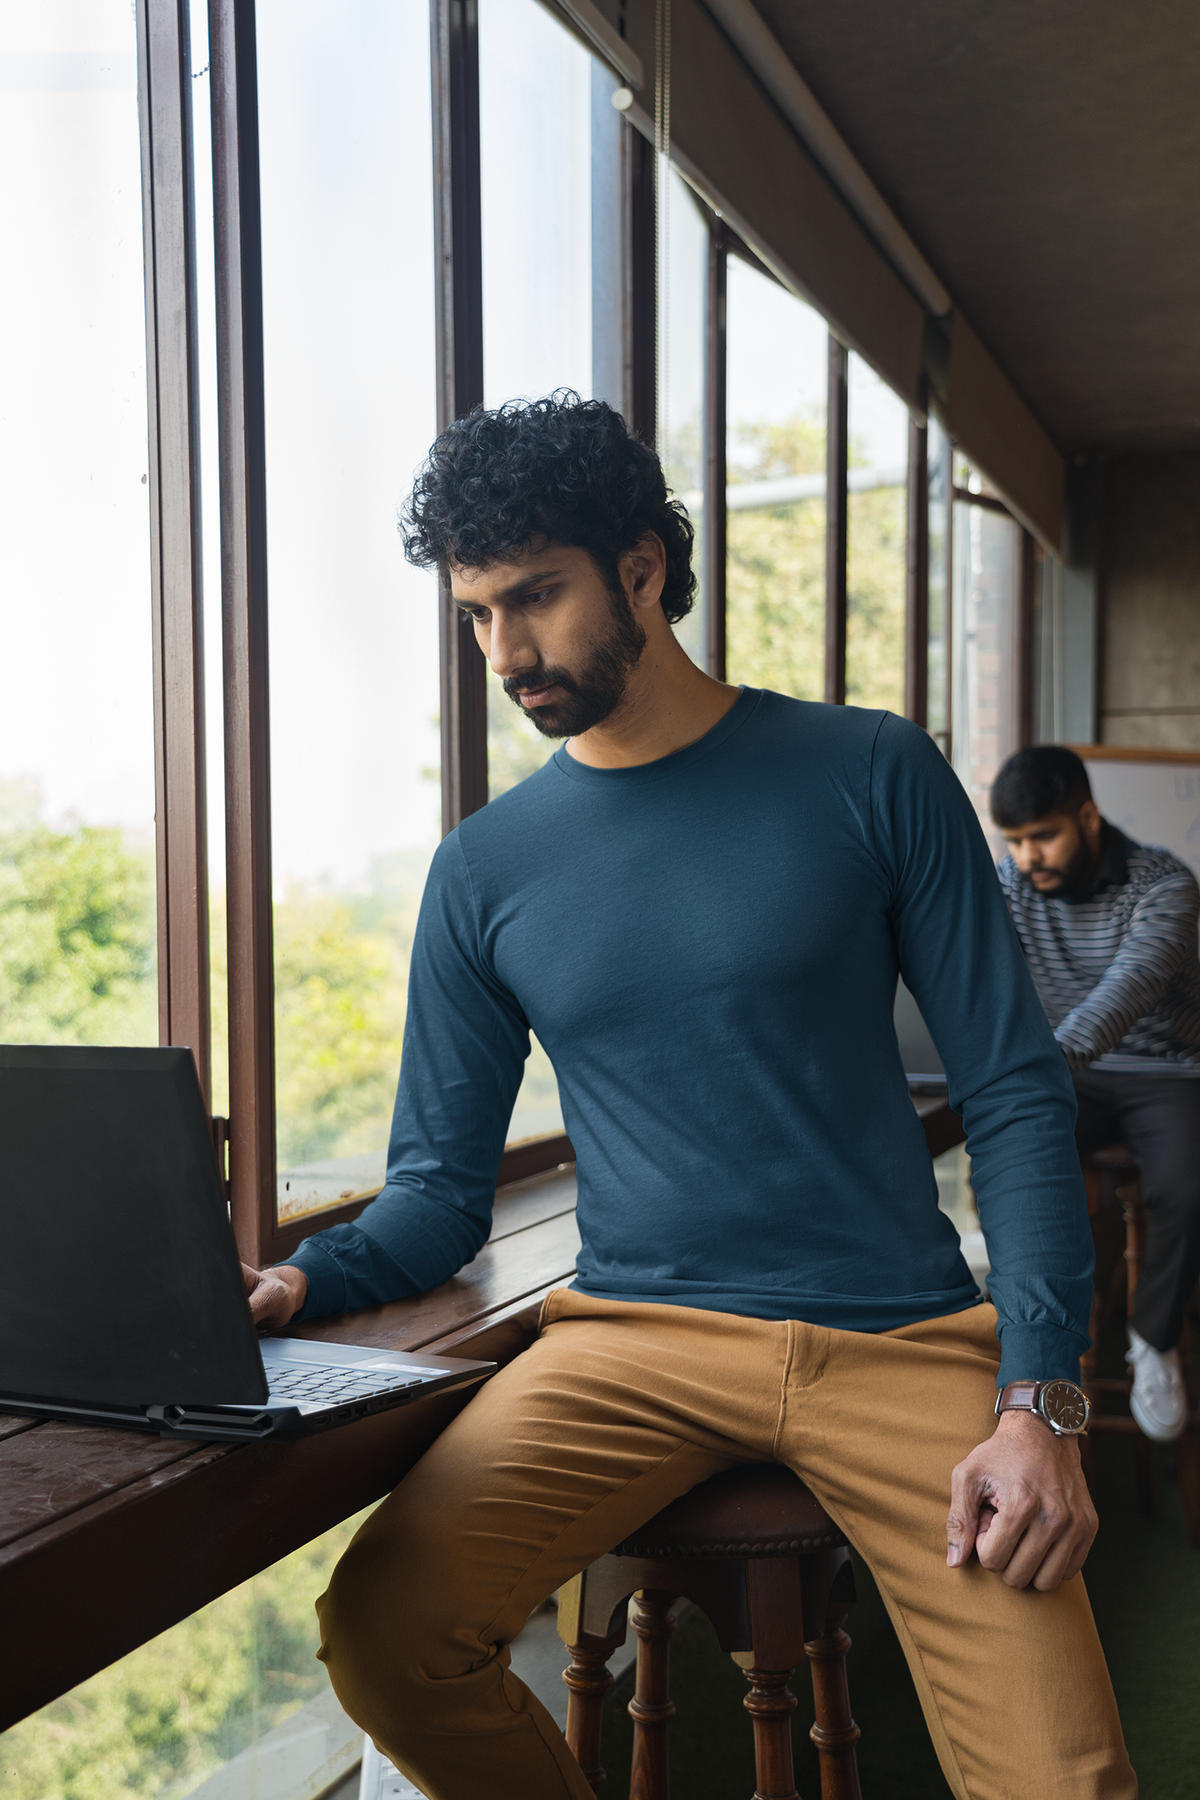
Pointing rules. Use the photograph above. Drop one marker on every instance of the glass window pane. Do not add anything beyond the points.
(937, 715)
(682, 296)
(210, 487)
(1049, 723)
(777, 386)
(552, 273)
(986, 618)
(876, 560)
(535, 110)
(77, 909)
(348, 285)
(553, 300)
(230, 1704)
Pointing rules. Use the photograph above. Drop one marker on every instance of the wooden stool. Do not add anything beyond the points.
(1111, 1178)
(758, 1554)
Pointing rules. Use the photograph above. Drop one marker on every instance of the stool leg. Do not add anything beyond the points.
(1187, 1467)
(651, 1708)
(835, 1734)
(1145, 1474)
(1187, 1448)
(1087, 1374)
(770, 1704)
(1135, 1239)
(588, 1680)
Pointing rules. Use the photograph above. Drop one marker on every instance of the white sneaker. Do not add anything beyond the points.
(1158, 1401)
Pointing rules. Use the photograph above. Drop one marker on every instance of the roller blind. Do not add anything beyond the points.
(986, 415)
(728, 136)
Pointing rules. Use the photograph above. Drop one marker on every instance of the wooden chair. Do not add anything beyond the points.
(1111, 1178)
(755, 1550)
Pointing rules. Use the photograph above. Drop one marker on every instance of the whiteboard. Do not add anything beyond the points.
(1153, 799)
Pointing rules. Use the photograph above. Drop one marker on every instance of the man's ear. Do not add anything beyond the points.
(1090, 821)
(644, 570)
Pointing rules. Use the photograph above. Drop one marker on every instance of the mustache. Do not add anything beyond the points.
(539, 678)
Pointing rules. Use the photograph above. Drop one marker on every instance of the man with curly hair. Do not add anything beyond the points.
(701, 904)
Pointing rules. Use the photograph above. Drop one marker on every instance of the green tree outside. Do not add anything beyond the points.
(77, 931)
(160, 1721)
(775, 600)
(775, 618)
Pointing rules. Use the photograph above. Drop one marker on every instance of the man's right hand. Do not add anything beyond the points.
(275, 1295)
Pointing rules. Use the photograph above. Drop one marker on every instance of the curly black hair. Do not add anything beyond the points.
(559, 470)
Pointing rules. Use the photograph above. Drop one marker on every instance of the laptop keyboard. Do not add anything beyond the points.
(332, 1384)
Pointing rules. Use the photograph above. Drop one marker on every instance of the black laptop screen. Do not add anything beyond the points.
(119, 1279)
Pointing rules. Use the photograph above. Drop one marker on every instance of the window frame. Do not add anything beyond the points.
(164, 102)
(169, 250)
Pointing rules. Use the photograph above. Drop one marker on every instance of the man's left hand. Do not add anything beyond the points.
(275, 1295)
(1021, 1503)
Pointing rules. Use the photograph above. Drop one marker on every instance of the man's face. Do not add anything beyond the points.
(562, 643)
(1055, 854)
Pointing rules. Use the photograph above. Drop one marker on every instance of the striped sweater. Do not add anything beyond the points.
(1116, 968)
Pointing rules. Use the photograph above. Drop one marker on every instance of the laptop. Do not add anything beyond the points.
(121, 1292)
(922, 1064)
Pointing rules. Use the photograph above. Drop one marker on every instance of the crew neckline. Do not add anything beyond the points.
(742, 709)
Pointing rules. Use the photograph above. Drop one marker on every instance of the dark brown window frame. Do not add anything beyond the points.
(165, 115)
(1030, 552)
(724, 243)
(165, 123)
(263, 1237)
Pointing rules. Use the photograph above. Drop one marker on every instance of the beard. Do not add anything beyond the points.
(593, 694)
(1075, 877)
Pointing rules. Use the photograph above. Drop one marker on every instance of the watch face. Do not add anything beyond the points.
(1063, 1405)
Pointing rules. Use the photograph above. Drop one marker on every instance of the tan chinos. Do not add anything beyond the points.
(617, 1409)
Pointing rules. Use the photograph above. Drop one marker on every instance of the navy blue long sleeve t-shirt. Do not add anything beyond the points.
(707, 946)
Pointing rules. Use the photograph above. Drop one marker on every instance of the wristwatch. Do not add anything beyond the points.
(1064, 1407)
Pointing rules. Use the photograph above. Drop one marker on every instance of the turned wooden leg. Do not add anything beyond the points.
(835, 1734)
(1187, 1468)
(1135, 1240)
(1087, 1371)
(770, 1704)
(588, 1680)
(651, 1708)
(1145, 1472)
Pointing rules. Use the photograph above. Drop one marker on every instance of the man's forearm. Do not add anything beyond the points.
(1161, 937)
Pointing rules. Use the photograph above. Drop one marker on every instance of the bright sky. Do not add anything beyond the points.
(75, 680)
(779, 361)
(348, 277)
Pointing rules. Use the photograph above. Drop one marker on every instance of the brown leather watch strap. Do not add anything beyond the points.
(1018, 1396)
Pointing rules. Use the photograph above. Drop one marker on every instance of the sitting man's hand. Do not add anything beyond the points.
(1020, 1501)
(275, 1295)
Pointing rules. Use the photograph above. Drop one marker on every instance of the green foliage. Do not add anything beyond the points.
(341, 974)
(775, 620)
(775, 608)
(77, 931)
(163, 1718)
(875, 581)
(339, 1013)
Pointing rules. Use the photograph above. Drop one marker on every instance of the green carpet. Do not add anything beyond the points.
(1144, 1580)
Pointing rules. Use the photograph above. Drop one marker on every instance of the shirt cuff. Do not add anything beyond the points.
(326, 1281)
(1038, 1352)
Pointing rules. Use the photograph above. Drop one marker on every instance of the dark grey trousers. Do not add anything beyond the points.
(1157, 1118)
